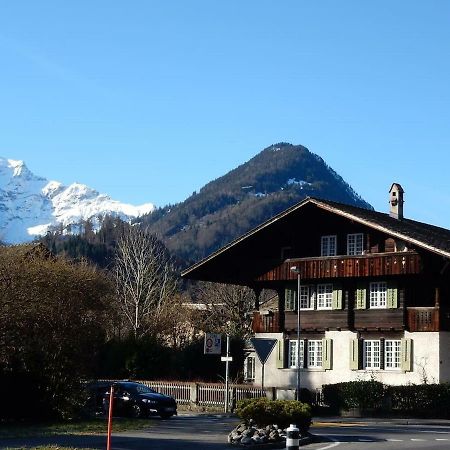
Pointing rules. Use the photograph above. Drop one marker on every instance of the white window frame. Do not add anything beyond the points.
(324, 296)
(292, 304)
(315, 354)
(306, 297)
(378, 295)
(392, 354)
(355, 244)
(328, 245)
(372, 354)
(249, 368)
(292, 356)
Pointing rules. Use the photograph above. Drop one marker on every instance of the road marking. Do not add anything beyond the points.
(366, 440)
(334, 444)
(394, 440)
(418, 440)
(441, 439)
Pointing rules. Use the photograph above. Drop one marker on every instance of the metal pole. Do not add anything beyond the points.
(110, 417)
(226, 373)
(296, 270)
(298, 335)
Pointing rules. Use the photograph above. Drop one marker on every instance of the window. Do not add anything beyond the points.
(372, 354)
(249, 368)
(328, 246)
(392, 353)
(355, 244)
(293, 354)
(306, 297)
(315, 353)
(324, 296)
(378, 294)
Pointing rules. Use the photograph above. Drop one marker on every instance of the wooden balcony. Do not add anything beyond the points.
(423, 319)
(318, 320)
(370, 265)
(266, 322)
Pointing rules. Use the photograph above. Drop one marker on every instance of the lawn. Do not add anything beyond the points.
(93, 426)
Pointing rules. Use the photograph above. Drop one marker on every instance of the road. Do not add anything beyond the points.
(383, 435)
(209, 432)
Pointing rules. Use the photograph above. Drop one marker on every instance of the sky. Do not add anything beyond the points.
(149, 100)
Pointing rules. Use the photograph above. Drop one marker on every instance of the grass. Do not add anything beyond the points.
(93, 426)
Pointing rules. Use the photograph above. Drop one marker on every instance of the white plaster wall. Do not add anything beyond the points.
(431, 363)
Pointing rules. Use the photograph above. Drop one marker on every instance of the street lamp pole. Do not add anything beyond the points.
(296, 270)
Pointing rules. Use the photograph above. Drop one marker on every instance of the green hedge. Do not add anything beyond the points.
(265, 412)
(354, 394)
(426, 400)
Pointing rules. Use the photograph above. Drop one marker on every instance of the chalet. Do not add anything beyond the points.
(373, 291)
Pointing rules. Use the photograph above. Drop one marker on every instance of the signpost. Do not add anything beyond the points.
(263, 348)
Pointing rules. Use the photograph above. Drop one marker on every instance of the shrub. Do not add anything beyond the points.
(265, 412)
(354, 394)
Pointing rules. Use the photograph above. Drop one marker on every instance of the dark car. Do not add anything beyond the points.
(138, 400)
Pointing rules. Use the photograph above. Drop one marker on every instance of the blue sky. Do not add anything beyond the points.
(150, 100)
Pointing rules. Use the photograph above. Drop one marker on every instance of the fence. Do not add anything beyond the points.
(205, 394)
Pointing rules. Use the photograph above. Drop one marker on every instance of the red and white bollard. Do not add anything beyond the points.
(292, 438)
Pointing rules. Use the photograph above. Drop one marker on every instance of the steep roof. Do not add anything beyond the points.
(429, 237)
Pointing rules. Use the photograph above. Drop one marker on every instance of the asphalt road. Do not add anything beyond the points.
(209, 432)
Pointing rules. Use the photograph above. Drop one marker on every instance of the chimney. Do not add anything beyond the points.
(396, 201)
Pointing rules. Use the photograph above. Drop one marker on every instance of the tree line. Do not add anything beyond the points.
(65, 320)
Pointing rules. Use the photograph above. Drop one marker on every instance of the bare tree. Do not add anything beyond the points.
(145, 281)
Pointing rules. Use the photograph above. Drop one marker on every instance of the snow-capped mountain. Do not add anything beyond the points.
(31, 205)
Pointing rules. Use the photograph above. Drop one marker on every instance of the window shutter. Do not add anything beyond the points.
(290, 296)
(327, 353)
(337, 297)
(355, 354)
(392, 295)
(305, 354)
(406, 355)
(360, 297)
(281, 354)
(382, 353)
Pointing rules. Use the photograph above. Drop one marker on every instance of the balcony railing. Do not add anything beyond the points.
(266, 322)
(423, 319)
(369, 265)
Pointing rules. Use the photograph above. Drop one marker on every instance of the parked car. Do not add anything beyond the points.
(138, 400)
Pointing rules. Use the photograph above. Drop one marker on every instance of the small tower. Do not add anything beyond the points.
(396, 201)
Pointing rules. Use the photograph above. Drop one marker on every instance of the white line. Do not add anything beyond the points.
(334, 444)
(418, 440)
(441, 439)
(394, 440)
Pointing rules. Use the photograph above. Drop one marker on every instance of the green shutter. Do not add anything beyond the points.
(280, 355)
(290, 297)
(406, 355)
(360, 302)
(392, 295)
(337, 297)
(354, 354)
(327, 353)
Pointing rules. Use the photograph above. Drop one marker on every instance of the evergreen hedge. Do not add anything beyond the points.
(263, 412)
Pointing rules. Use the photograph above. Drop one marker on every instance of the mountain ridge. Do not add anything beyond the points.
(31, 205)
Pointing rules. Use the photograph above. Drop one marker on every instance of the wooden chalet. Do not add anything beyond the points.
(374, 292)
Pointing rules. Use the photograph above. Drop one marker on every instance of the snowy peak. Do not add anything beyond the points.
(31, 205)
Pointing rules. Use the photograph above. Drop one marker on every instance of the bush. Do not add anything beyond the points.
(354, 394)
(265, 412)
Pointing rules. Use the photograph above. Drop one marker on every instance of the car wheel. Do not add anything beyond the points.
(165, 416)
(137, 411)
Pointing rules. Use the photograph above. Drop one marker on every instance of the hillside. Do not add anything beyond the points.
(278, 177)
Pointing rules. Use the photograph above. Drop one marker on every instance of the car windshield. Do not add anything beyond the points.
(142, 389)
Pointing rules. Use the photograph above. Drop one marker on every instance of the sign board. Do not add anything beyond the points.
(213, 344)
(226, 358)
(263, 347)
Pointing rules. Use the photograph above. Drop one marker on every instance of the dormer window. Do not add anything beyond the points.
(355, 244)
(328, 245)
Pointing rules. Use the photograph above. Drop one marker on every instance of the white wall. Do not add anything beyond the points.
(431, 363)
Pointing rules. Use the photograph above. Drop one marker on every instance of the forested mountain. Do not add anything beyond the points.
(278, 177)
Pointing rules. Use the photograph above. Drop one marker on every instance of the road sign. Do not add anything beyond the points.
(213, 344)
(263, 347)
(226, 358)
